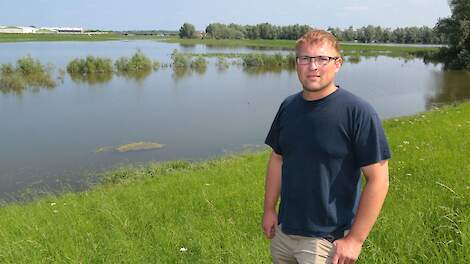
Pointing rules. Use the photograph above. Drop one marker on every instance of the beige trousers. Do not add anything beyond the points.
(287, 249)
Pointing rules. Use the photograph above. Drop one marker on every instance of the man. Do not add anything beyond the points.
(322, 138)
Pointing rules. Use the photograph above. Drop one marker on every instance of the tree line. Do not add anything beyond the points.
(453, 31)
(377, 34)
(456, 31)
(366, 34)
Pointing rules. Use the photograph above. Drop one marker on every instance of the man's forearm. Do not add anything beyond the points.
(371, 201)
(273, 182)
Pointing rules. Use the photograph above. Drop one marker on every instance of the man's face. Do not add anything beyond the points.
(314, 77)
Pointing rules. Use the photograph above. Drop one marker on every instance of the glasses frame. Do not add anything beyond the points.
(315, 60)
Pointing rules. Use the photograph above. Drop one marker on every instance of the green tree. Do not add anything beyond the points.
(187, 30)
(266, 31)
(456, 32)
(337, 33)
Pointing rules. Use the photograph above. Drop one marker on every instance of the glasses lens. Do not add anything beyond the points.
(322, 60)
(303, 60)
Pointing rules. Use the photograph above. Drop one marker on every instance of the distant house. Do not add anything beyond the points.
(20, 29)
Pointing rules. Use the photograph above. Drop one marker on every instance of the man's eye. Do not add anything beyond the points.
(323, 59)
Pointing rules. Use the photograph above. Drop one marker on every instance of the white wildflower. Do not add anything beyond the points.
(406, 142)
(183, 249)
(53, 204)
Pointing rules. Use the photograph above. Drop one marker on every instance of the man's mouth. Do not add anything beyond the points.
(313, 76)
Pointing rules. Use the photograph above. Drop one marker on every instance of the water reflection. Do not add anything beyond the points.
(263, 69)
(91, 78)
(180, 73)
(16, 83)
(449, 87)
(187, 45)
(138, 76)
(353, 59)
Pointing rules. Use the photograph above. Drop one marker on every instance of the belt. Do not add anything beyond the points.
(335, 235)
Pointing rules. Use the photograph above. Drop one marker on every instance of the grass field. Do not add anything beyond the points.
(209, 212)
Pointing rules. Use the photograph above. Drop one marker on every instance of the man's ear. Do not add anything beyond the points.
(338, 64)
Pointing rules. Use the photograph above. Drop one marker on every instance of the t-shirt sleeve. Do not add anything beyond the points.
(272, 139)
(369, 142)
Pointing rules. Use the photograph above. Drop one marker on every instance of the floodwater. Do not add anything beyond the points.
(49, 137)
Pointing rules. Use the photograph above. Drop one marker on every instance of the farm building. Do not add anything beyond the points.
(17, 29)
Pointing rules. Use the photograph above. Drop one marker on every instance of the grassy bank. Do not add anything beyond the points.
(348, 48)
(27, 37)
(210, 212)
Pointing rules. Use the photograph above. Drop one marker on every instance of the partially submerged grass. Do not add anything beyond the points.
(147, 214)
(179, 60)
(222, 63)
(28, 73)
(135, 146)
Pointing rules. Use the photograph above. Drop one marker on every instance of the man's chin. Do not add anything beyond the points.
(313, 89)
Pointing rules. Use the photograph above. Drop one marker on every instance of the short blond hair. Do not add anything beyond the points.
(318, 37)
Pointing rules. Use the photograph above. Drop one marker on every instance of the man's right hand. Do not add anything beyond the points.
(269, 224)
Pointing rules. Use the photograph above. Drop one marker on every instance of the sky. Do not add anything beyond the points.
(170, 15)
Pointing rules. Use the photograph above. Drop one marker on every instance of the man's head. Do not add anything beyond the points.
(318, 60)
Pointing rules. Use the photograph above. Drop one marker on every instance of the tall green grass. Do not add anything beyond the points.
(266, 60)
(209, 212)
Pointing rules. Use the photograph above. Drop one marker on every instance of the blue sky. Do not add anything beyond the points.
(158, 14)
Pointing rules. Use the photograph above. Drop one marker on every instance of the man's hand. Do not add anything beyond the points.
(269, 224)
(347, 250)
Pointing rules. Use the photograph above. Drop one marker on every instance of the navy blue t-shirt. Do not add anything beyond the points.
(323, 144)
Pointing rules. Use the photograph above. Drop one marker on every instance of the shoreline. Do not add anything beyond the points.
(212, 208)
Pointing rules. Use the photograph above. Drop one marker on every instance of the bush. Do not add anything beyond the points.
(28, 72)
(28, 65)
(138, 62)
(198, 63)
(179, 60)
(90, 65)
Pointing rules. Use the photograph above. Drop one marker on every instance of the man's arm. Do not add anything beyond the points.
(370, 204)
(271, 195)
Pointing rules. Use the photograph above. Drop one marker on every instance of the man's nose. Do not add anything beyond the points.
(312, 65)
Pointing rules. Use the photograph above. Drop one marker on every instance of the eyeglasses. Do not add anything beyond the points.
(318, 60)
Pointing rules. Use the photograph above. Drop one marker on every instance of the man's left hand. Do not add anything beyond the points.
(347, 250)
